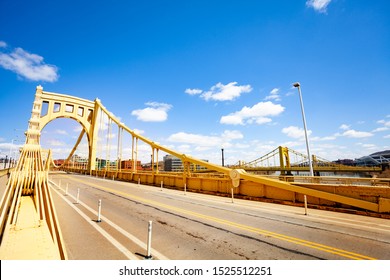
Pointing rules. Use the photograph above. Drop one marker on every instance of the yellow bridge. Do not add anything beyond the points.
(29, 227)
(287, 160)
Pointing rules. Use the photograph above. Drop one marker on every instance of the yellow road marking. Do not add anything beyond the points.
(294, 240)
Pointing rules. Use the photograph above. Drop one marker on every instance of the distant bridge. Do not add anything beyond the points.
(287, 160)
(27, 211)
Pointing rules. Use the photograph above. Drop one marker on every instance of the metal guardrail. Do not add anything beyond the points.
(330, 180)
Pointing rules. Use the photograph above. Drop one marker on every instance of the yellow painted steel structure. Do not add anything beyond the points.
(287, 160)
(29, 227)
(90, 124)
(28, 192)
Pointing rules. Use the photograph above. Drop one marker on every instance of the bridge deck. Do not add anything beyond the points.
(30, 239)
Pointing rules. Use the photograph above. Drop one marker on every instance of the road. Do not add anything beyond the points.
(192, 226)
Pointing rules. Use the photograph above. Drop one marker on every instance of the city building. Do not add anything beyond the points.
(174, 164)
(128, 164)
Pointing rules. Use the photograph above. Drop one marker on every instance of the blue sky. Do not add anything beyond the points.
(197, 76)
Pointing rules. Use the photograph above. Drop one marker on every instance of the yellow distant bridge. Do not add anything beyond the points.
(27, 213)
(287, 160)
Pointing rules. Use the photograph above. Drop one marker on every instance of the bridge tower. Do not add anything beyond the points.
(284, 160)
(27, 205)
(85, 112)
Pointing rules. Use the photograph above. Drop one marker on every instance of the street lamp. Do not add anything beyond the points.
(10, 151)
(12, 145)
(297, 85)
(223, 158)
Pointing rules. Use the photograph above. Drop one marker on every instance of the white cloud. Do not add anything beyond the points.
(61, 131)
(367, 146)
(185, 148)
(274, 95)
(3, 44)
(259, 114)
(204, 142)
(27, 65)
(194, 91)
(56, 143)
(221, 92)
(318, 5)
(156, 112)
(195, 139)
(242, 146)
(232, 134)
(290, 93)
(233, 119)
(78, 128)
(6, 147)
(139, 131)
(295, 132)
(351, 133)
(326, 138)
(379, 129)
(344, 127)
(385, 123)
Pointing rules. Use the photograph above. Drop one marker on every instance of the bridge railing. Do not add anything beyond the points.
(101, 146)
(333, 180)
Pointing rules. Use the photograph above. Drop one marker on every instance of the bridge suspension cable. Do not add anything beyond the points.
(29, 182)
(27, 205)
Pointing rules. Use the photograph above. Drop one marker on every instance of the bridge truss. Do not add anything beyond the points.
(287, 160)
(28, 191)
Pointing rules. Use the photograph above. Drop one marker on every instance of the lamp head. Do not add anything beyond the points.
(296, 84)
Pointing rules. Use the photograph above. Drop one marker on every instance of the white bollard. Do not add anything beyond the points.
(305, 199)
(161, 188)
(139, 181)
(185, 189)
(99, 211)
(78, 195)
(66, 190)
(149, 248)
(232, 195)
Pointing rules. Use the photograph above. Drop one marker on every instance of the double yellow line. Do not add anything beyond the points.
(290, 239)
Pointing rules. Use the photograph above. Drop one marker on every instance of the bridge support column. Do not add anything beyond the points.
(93, 138)
(283, 155)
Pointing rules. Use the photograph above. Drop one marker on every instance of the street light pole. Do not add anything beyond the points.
(10, 152)
(12, 145)
(223, 158)
(297, 85)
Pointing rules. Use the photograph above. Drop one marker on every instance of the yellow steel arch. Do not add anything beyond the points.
(65, 106)
(28, 188)
(383, 204)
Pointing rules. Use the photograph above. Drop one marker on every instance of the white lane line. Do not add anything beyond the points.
(112, 240)
(357, 222)
(134, 239)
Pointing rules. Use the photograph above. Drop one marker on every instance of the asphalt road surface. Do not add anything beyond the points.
(192, 226)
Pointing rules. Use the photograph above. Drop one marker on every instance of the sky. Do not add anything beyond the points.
(199, 76)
